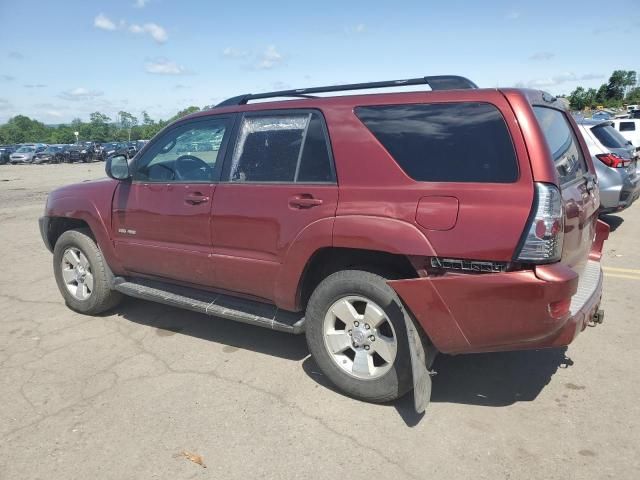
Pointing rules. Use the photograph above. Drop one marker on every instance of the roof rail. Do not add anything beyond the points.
(438, 82)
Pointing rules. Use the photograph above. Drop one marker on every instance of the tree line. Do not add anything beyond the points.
(99, 128)
(622, 88)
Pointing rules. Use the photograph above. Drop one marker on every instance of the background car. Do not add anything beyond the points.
(48, 155)
(80, 152)
(5, 153)
(25, 153)
(115, 148)
(615, 163)
(629, 128)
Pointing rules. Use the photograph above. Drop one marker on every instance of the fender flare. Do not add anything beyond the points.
(79, 208)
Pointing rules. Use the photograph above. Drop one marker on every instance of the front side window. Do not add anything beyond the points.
(188, 153)
(281, 148)
(627, 126)
(562, 143)
(445, 142)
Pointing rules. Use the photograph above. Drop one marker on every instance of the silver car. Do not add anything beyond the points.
(616, 163)
(25, 153)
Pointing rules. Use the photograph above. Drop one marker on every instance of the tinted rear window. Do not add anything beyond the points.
(609, 136)
(562, 143)
(445, 142)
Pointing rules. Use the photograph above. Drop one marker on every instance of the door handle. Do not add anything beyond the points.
(195, 198)
(304, 201)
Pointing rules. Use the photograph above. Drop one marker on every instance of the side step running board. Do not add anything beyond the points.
(213, 304)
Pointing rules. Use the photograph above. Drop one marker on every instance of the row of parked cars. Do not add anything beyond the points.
(615, 150)
(37, 153)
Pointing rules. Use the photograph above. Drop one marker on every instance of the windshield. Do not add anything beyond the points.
(25, 150)
(51, 149)
(609, 136)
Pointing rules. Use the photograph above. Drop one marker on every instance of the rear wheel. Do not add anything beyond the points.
(82, 274)
(357, 335)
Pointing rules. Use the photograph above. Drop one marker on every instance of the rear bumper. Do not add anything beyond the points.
(469, 313)
(620, 195)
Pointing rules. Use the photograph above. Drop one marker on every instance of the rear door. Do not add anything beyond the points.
(278, 180)
(577, 184)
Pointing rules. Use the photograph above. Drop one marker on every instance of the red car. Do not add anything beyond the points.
(385, 227)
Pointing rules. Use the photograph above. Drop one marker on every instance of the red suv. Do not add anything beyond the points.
(385, 227)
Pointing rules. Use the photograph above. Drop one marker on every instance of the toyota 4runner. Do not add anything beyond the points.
(386, 227)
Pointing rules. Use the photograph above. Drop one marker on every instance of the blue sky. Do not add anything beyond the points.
(65, 59)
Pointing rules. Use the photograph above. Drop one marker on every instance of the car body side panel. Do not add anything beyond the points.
(491, 216)
(90, 202)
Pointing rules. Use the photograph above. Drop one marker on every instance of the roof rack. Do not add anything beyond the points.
(438, 82)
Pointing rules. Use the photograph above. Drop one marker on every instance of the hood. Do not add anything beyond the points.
(85, 189)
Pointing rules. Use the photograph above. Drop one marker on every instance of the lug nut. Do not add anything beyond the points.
(356, 323)
(350, 332)
(366, 347)
(366, 326)
(372, 338)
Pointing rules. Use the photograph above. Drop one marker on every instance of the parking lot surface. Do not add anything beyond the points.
(150, 391)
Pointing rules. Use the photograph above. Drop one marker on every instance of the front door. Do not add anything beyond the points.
(162, 218)
(278, 180)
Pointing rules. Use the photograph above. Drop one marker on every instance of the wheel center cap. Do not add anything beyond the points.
(359, 336)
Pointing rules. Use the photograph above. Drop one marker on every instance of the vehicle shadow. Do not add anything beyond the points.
(488, 379)
(613, 221)
(166, 319)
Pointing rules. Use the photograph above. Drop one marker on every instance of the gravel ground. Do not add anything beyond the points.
(149, 391)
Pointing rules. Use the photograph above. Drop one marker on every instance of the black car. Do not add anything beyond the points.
(114, 148)
(80, 152)
(52, 154)
(5, 152)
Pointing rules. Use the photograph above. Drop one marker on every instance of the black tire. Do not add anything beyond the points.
(398, 380)
(102, 298)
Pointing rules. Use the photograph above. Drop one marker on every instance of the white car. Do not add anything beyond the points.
(629, 128)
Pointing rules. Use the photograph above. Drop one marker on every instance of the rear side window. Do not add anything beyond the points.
(281, 148)
(445, 142)
(627, 126)
(609, 136)
(562, 142)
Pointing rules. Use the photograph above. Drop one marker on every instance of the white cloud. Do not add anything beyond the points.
(34, 85)
(234, 52)
(542, 56)
(359, 28)
(561, 78)
(140, 3)
(513, 15)
(162, 66)
(158, 33)
(80, 93)
(270, 58)
(5, 105)
(104, 23)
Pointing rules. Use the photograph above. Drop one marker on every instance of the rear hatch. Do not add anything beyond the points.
(577, 183)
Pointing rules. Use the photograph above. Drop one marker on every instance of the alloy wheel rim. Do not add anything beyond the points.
(359, 337)
(76, 273)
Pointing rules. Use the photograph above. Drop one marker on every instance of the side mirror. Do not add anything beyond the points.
(117, 167)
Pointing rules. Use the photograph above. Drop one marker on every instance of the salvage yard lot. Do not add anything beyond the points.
(133, 393)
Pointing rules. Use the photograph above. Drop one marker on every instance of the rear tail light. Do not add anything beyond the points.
(612, 160)
(544, 234)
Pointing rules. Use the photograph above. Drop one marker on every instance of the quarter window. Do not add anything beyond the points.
(562, 143)
(281, 148)
(627, 126)
(445, 142)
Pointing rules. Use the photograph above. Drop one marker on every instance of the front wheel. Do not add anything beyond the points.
(82, 274)
(356, 332)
